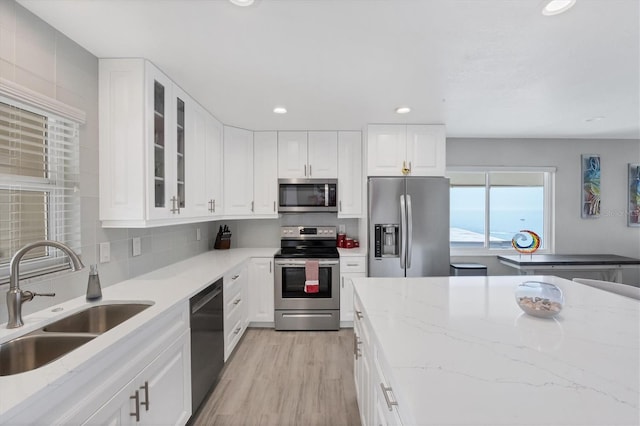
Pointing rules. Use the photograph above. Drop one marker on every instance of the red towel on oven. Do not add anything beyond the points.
(311, 284)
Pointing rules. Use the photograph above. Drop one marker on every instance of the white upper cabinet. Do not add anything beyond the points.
(307, 155)
(292, 155)
(160, 151)
(323, 155)
(214, 166)
(138, 145)
(265, 169)
(413, 150)
(204, 163)
(238, 171)
(350, 180)
(426, 150)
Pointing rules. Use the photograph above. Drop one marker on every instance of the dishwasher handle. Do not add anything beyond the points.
(206, 299)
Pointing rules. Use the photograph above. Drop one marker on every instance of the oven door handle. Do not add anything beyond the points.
(301, 263)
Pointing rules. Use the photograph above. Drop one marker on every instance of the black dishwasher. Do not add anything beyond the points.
(207, 341)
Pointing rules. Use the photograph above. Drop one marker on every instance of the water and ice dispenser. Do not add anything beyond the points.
(387, 240)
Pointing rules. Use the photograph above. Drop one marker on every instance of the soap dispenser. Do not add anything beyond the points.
(94, 292)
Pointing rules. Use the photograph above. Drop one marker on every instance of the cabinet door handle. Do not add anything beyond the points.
(274, 206)
(386, 391)
(252, 206)
(355, 346)
(359, 314)
(235, 302)
(409, 166)
(269, 266)
(340, 205)
(174, 210)
(310, 170)
(305, 170)
(342, 281)
(214, 206)
(352, 264)
(136, 414)
(237, 330)
(146, 395)
(235, 277)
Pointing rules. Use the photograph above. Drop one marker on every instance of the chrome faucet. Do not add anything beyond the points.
(15, 296)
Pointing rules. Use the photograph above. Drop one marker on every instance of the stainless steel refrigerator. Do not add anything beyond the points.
(408, 226)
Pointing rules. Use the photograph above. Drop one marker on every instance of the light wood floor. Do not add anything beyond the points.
(285, 378)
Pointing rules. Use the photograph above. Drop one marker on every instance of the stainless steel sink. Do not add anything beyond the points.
(36, 349)
(42, 346)
(96, 319)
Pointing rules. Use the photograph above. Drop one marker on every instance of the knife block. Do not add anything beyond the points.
(223, 241)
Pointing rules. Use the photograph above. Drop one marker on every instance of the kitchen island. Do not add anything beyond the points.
(459, 351)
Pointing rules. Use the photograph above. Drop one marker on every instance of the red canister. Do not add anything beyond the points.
(356, 243)
(341, 238)
(348, 243)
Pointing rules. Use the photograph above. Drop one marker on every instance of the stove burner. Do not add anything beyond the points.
(305, 242)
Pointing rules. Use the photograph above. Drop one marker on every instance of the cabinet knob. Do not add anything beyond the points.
(405, 170)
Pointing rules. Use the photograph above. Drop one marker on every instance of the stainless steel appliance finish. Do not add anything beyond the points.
(294, 308)
(307, 195)
(207, 341)
(408, 226)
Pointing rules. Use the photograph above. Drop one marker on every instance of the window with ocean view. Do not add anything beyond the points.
(488, 207)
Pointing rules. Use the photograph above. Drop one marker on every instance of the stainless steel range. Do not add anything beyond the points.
(295, 308)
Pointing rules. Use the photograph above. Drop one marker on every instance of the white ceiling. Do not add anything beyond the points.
(485, 68)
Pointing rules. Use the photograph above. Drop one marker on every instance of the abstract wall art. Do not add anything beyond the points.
(633, 213)
(590, 186)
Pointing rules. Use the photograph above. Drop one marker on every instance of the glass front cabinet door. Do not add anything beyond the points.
(163, 194)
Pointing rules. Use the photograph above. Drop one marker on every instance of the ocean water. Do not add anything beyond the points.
(512, 209)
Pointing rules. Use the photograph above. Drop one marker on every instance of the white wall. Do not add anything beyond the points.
(36, 56)
(608, 234)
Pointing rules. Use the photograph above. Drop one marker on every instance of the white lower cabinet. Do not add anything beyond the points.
(158, 395)
(385, 408)
(362, 366)
(236, 310)
(350, 268)
(376, 399)
(154, 361)
(261, 297)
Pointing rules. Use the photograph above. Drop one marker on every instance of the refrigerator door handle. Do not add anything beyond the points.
(403, 230)
(409, 230)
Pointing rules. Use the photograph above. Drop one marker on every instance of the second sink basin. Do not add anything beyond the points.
(35, 350)
(97, 319)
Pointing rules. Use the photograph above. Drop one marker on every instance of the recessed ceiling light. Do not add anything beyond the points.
(280, 110)
(554, 7)
(242, 2)
(403, 110)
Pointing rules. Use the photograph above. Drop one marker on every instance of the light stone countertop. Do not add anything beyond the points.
(356, 251)
(165, 287)
(459, 351)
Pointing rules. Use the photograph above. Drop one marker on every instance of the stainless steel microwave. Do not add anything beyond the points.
(307, 195)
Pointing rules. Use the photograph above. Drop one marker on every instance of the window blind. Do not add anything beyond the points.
(39, 184)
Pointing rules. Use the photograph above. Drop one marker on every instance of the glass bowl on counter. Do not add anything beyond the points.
(539, 299)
